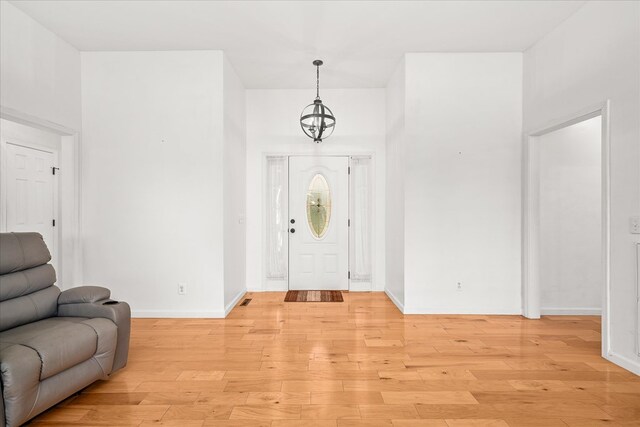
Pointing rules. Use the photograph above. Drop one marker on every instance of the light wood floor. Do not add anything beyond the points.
(359, 363)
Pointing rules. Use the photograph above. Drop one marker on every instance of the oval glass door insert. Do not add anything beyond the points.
(318, 206)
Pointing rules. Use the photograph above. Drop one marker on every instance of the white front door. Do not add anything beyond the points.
(29, 192)
(318, 223)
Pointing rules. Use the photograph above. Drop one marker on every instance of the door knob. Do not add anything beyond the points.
(293, 221)
(293, 230)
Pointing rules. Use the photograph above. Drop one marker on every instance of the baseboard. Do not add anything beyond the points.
(359, 286)
(577, 311)
(462, 312)
(174, 314)
(624, 362)
(273, 285)
(233, 302)
(282, 286)
(394, 300)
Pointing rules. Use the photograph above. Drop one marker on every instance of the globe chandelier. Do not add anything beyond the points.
(317, 120)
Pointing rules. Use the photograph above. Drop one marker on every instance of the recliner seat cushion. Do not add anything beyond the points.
(23, 369)
(60, 343)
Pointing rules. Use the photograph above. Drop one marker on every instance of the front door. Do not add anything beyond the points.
(30, 196)
(318, 223)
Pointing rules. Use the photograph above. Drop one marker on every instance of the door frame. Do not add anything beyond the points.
(4, 143)
(271, 284)
(69, 251)
(531, 217)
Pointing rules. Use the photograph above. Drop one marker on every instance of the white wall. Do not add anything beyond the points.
(234, 192)
(40, 87)
(152, 179)
(273, 127)
(570, 227)
(39, 72)
(462, 183)
(394, 181)
(591, 57)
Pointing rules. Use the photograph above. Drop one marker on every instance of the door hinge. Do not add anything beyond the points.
(349, 275)
(349, 170)
(54, 169)
(53, 222)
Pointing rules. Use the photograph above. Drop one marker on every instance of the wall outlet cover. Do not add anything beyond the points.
(182, 288)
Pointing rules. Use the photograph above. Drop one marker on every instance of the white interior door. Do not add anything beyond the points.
(30, 192)
(318, 223)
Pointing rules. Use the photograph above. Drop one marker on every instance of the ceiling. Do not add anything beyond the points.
(271, 43)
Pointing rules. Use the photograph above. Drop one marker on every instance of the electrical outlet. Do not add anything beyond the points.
(634, 225)
(182, 288)
(459, 287)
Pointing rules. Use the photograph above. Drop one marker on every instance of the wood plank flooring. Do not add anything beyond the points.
(358, 363)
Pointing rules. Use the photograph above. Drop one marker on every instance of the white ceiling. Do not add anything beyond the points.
(271, 43)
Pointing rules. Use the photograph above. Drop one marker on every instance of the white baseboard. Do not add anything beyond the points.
(283, 286)
(359, 286)
(466, 311)
(394, 300)
(624, 362)
(273, 285)
(174, 314)
(577, 311)
(233, 302)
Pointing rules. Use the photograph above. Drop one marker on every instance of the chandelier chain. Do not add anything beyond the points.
(317, 82)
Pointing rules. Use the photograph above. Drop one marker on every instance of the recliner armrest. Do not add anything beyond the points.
(118, 312)
(84, 294)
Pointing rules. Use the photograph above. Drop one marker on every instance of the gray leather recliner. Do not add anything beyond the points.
(52, 344)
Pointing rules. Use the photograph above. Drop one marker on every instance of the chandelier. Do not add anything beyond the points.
(317, 120)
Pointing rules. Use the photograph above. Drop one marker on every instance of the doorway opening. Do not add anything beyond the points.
(37, 141)
(30, 192)
(318, 223)
(570, 219)
(566, 219)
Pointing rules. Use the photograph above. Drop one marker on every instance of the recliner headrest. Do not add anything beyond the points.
(20, 251)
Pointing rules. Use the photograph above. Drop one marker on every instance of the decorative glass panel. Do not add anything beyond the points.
(277, 230)
(361, 199)
(318, 206)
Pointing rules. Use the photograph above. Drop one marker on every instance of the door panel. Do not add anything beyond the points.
(319, 234)
(29, 198)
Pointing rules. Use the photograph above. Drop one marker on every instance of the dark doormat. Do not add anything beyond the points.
(313, 296)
